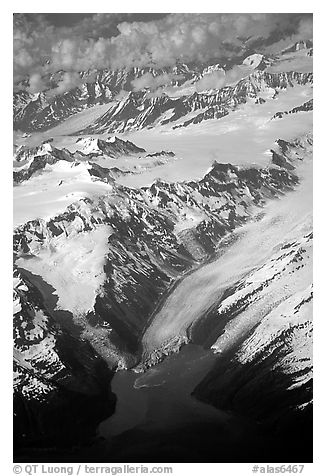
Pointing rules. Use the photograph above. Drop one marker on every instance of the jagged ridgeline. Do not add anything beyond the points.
(137, 110)
(116, 271)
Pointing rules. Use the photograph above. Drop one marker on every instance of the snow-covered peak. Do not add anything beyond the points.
(112, 147)
(253, 61)
(45, 148)
(211, 68)
(89, 145)
(24, 153)
(299, 45)
(35, 96)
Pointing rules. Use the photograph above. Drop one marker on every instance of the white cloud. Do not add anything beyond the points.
(36, 83)
(149, 81)
(160, 43)
(67, 82)
(213, 80)
(218, 79)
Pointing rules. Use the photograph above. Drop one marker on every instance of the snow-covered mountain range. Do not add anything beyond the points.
(123, 252)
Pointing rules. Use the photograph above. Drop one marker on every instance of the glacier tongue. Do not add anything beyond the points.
(251, 258)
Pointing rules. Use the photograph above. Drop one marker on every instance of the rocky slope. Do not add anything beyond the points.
(264, 340)
(261, 329)
(36, 159)
(269, 326)
(307, 106)
(61, 388)
(136, 111)
(40, 112)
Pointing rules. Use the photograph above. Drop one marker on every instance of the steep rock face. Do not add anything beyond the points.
(27, 106)
(137, 112)
(38, 112)
(61, 387)
(37, 164)
(299, 45)
(113, 147)
(35, 159)
(307, 106)
(262, 330)
(24, 153)
(163, 153)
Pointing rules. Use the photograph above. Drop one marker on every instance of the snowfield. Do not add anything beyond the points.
(241, 138)
(50, 193)
(74, 267)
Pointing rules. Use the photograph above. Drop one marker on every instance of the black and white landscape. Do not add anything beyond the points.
(163, 237)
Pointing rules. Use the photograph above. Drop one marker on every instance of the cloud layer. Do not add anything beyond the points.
(115, 41)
